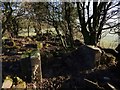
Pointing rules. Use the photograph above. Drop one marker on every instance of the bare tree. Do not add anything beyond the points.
(93, 24)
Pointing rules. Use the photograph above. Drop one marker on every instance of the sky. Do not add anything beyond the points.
(51, 0)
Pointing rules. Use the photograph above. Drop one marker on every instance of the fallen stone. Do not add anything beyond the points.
(21, 85)
(7, 83)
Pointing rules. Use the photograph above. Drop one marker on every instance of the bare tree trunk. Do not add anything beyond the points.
(28, 30)
(15, 27)
(83, 25)
(92, 28)
(61, 39)
(67, 15)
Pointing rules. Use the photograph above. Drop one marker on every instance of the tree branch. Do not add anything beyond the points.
(103, 19)
(111, 26)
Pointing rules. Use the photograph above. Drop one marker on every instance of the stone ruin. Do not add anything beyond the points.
(85, 57)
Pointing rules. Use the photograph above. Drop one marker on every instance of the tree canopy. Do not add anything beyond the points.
(89, 18)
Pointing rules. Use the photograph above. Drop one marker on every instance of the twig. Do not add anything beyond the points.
(94, 83)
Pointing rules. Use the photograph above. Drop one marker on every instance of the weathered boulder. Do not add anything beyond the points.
(110, 51)
(8, 42)
(118, 48)
(108, 59)
(31, 45)
(118, 58)
(10, 51)
(110, 56)
(13, 83)
(85, 57)
(7, 83)
(20, 84)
